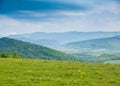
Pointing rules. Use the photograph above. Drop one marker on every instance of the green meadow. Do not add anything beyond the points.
(34, 72)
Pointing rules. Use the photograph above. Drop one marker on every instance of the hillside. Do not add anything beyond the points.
(61, 38)
(110, 43)
(29, 72)
(29, 50)
(101, 50)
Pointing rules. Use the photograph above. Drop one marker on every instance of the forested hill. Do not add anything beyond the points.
(30, 50)
(110, 43)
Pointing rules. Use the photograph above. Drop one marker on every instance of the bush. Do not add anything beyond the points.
(4, 55)
(15, 55)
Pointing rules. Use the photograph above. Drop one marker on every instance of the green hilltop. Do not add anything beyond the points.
(25, 49)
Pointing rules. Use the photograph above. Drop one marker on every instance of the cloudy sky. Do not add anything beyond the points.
(27, 16)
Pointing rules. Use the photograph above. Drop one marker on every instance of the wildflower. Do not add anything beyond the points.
(81, 73)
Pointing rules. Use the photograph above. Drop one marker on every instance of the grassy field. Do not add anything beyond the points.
(29, 72)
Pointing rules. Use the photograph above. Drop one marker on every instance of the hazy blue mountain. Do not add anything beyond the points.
(110, 43)
(47, 42)
(56, 39)
(29, 50)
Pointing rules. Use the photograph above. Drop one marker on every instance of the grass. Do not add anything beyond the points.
(33, 72)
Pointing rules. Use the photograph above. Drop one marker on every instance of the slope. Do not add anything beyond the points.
(110, 43)
(29, 50)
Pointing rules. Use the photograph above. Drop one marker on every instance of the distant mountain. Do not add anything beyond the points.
(46, 42)
(110, 43)
(29, 50)
(57, 39)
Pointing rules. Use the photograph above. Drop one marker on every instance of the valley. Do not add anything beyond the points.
(96, 47)
(59, 42)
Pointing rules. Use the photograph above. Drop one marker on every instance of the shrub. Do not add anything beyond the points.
(4, 55)
(15, 55)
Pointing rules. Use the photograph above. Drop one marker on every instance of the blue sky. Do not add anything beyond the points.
(27, 16)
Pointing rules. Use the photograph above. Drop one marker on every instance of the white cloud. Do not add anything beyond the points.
(32, 14)
(43, 14)
(71, 13)
(9, 33)
(104, 17)
(110, 7)
(9, 26)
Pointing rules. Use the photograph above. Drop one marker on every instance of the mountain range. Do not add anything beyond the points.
(58, 39)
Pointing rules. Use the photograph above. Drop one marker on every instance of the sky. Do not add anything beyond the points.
(28, 16)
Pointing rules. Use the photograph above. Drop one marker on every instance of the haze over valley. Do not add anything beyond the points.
(59, 42)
